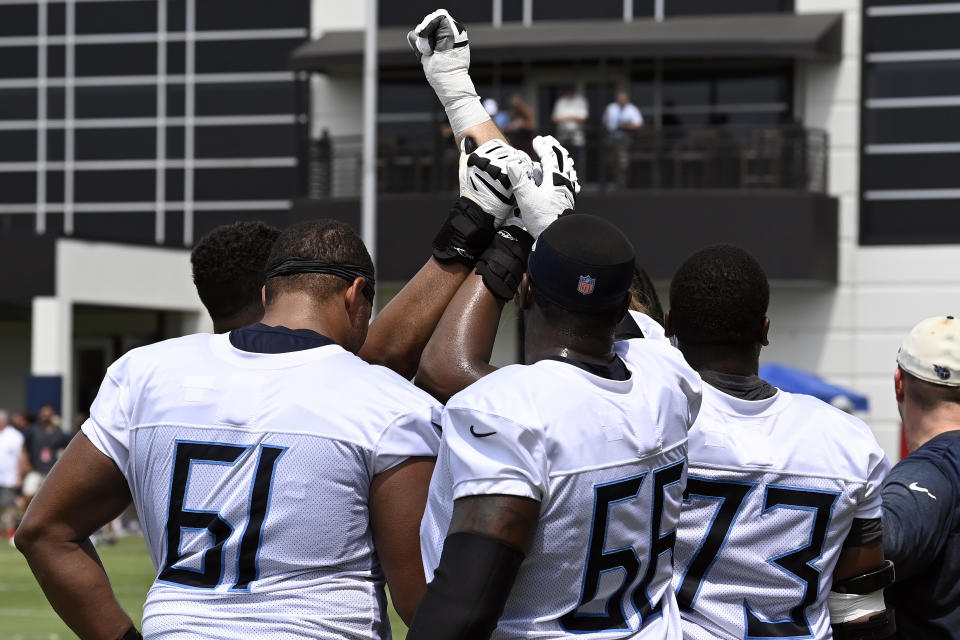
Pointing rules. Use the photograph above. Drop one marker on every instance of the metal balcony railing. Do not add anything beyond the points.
(784, 157)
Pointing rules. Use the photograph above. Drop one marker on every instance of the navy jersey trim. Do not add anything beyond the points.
(262, 338)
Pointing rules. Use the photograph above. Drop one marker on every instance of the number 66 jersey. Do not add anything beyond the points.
(251, 474)
(773, 490)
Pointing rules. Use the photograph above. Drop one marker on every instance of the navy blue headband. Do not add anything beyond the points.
(348, 272)
(577, 286)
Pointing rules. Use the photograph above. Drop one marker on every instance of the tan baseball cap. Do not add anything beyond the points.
(931, 351)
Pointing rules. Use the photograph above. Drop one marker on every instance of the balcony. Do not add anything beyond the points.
(760, 187)
(788, 158)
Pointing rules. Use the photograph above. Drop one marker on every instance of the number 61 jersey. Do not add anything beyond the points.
(773, 489)
(251, 475)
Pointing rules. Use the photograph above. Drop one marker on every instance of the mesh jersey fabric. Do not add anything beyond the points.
(251, 474)
(606, 460)
(773, 488)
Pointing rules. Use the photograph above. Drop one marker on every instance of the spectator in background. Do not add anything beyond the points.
(621, 119)
(11, 446)
(20, 420)
(519, 129)
(228, 271)
(921, 519)
(43, 444)
(570, 114)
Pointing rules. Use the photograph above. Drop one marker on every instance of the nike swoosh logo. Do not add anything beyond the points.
(475, 433)
(913, 486)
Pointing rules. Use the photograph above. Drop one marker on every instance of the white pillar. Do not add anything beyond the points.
(51, 347)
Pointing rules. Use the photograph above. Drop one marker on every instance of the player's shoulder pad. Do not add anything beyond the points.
(504, 387)
(826, 421)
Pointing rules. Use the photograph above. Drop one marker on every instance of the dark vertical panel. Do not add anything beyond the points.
(115, 186)
(18, 20)
(116, 17)
(577, 10)
(922, 124)
(253, 14)
(906, 79)
(116, 59)
(912, 171)
(410, 12)
(116, 144)
(911, 33)
(710, 7)
(245, 141)
(910, 222)
(18, 146)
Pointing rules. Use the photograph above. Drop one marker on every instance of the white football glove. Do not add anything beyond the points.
(441, 45)
(483, 177)
(540, 204)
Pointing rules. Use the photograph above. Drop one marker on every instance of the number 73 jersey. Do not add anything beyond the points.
(773, 488)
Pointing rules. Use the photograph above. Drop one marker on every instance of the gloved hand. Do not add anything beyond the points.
(441, 45)
(483, 177)
(540, 204)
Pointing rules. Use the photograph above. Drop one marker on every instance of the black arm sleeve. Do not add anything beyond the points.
(469, 589)
(863, 531)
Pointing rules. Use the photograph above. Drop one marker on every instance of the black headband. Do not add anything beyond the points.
(349, 272)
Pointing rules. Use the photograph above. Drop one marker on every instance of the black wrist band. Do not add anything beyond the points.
(131, 634)
(503, 263)
(466, 233)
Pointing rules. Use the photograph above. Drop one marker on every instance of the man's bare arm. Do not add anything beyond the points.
(84, 491)
(398, 497)
(458, 353)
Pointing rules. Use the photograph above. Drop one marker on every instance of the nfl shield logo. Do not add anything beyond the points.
(586, 285)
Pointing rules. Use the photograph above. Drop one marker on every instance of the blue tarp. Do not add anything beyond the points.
(797, 381)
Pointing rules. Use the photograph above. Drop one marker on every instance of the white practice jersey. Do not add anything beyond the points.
(773, 488)
(607, 461)
(251, 476)
(652, 330)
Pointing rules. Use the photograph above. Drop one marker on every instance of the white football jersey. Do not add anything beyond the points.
(652, 330)
(773, 488)
(251, 476)
(607, 461)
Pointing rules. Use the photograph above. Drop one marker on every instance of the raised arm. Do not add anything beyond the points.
(399, 333)
(458, 353)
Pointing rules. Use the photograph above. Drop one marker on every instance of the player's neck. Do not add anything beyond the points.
(547, 343)
(924, 426)
(722, 359)
(301, 311)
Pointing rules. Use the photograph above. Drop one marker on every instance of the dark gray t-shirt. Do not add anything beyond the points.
(921, 534)
(43, 447)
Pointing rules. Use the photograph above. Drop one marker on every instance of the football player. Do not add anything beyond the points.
(278, 477)
(780, 535)
(228, 270)
(558, 484)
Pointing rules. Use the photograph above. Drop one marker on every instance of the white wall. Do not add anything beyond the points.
(336, 15)
(850, 334)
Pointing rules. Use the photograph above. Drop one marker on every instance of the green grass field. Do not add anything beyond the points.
(26, 615)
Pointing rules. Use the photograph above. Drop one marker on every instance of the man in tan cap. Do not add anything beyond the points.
(921, 496)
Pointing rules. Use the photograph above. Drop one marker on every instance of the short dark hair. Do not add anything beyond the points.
(327, 240)
(644, 296)
(229, 265)
(719, 295)
(927, 395)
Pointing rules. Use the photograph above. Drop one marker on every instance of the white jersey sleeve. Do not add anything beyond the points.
(869, 503)
(410, 435)
(108, 426)
(491, 454)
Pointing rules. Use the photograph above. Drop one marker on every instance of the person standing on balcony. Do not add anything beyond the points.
(570, 114)
(621, 119)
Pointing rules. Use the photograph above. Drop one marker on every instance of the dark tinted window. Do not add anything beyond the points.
(252, 14)
(242, 99)
(246, 141)
(18, 104)
(18, 62)
(18, 187)
(244, 55)
(133, 226)
(910, 222)
(904, 79)
(116, 59)
(934, 124)
(116, 102)
(577, 10)
(112, 186)
(710, 7)
(18, 20)
(911, 33)
(918, 171)
(18, 146)
(116, 144)
(410, 12)
(116, 17)
(245, 184)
